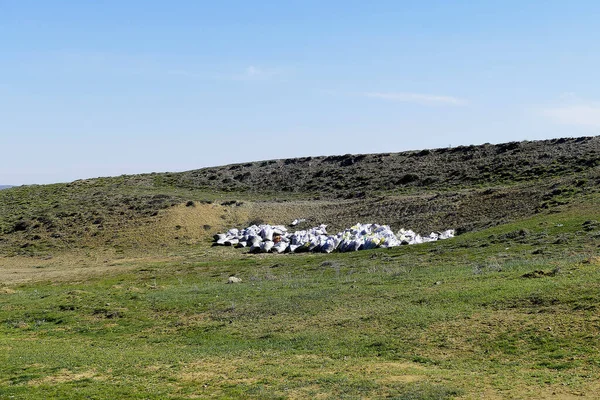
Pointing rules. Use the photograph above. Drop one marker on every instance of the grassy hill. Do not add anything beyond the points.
(468, 188)
(109, 287)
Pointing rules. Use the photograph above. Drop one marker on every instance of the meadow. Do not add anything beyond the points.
(507, 312)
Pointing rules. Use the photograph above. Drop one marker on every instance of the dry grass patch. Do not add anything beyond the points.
(69, 267)
(185, 225)
(535, 392)
(193, 320)
(303, 376)
(65, 375)
(391, 372)
(214, 372)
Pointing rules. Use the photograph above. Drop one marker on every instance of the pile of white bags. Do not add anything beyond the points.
(276, 238)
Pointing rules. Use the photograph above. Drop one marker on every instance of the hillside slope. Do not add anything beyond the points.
(467, 187)
(356, 175)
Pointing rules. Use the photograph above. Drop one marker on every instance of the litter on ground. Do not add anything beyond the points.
(276, 238)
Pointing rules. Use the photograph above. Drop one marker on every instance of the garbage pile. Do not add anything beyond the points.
(276, 238)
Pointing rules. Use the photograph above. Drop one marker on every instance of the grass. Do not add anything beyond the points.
(462, 318)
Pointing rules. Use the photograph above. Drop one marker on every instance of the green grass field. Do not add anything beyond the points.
(507, 312)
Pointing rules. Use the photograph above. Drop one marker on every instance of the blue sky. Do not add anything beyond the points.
(109, 87)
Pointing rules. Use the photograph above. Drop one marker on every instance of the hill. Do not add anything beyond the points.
(5, 186)
(349, 176)
(109, 287)
(467, 188)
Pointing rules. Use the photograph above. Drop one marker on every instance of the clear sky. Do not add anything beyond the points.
(104, 88)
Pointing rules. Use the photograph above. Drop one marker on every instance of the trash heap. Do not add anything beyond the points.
(276, 238)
